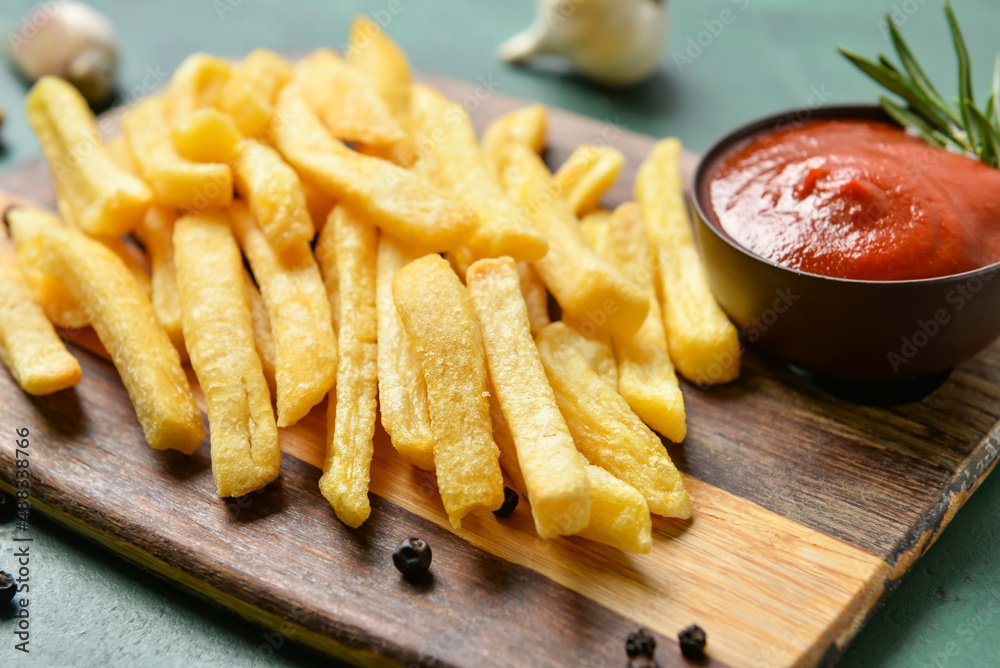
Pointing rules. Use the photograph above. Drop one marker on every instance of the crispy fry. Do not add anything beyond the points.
(29, 346)
(703, 342)
(206, 135)
(596, 217)
(134, 259)
(249, 94)
(386, 66)
(536, 297)
(395, 199)
(346, 100)
(262, 337)
(117, 149)
(526, 125)
(91, 190)
(175, 180)
(125, 323)
(275, 195)
(595, 348)
(301, 323)
(402, 392)
(435, 311)
(219, 333)
(348, 247)
(646, 375)
(156, 233)
(451, 158)
(319, 203)
(585, 285)
(196, 83)
(551, 467)
(605, 429)
(587, 174)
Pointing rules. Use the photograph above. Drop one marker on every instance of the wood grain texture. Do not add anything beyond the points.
(807, 510)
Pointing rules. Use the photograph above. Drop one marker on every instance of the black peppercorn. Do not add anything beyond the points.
(412, 558)
(7, 507)
(510, 499)
(640, 643)
(7, 587)
(692, 640)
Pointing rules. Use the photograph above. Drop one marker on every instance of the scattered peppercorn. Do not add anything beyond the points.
(692, 640)
(510, 499)
(642, 662)
(412, 558)
(7, 507)
(7, 587)
(640, 643)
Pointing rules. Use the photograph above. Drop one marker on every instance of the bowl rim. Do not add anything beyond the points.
(774, 121)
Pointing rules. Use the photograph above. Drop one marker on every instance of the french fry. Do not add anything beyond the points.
(156, 233)
(248, 96)
(595, 348)
(348, 246)
(386, 66)
(550, 465)
(346, 100)
(587, 174)
(219, 333)
(703, 342)
(646, 378)
(394, 198)
(274, 193)
(319, 203)
(196, 83)
(527, 125)
(304, 343)
(91, 190)
(206, 135)
(123, 318)
(435, 311)
(451, 158)
(536, 297)
(121, 156)
(29, 346)
(134, 259)
(263, 339)
(605, 429)
(175, 180)
(402, 392)
(586, 286)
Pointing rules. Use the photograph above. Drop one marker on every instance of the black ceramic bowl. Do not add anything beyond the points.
(850, 330)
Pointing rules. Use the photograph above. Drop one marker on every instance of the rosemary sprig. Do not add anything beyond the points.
(957, 124)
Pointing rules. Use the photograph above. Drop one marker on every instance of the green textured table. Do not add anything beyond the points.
(91, 608)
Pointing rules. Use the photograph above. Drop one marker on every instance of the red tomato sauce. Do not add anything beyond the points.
(858, 199)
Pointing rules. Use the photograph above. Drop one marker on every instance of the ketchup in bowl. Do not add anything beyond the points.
(857, 199)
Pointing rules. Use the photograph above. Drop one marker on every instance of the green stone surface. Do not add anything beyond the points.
(90, 608)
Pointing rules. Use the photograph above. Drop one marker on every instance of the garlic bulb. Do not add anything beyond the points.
(69, 40)
(614, 42)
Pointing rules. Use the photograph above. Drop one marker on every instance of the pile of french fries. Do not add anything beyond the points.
(397, 262)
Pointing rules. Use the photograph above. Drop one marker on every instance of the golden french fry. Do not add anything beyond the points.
(274, 193)
(435, 311)
(29, 346)
(394, 198)
(346, 100)
(596, 218)
(402, 392)
(248, 96)
(206, 135)
(605, 429)
(196, 83)
(526, 125)
(451, 158)
(587, 174)
(536, 297)
(586, 286)
(126, 325)
(319, 203)
(117, 149)
(703, 342)
(263, 339)
(175, 180)
(304, 343)
(91, 190)
(134, 259)
(386, 66)
(595, 348)
(646, 378)
(156, 233)
(551, 467)
(219, 333)
(348, 247)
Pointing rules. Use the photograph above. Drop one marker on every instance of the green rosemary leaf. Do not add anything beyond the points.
(996, 95)
(888, 64)
(911, 120)
(964, 77)
(915, 71)
(991, 140)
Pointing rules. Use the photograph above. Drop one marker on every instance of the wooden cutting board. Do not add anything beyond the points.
(807, 512)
